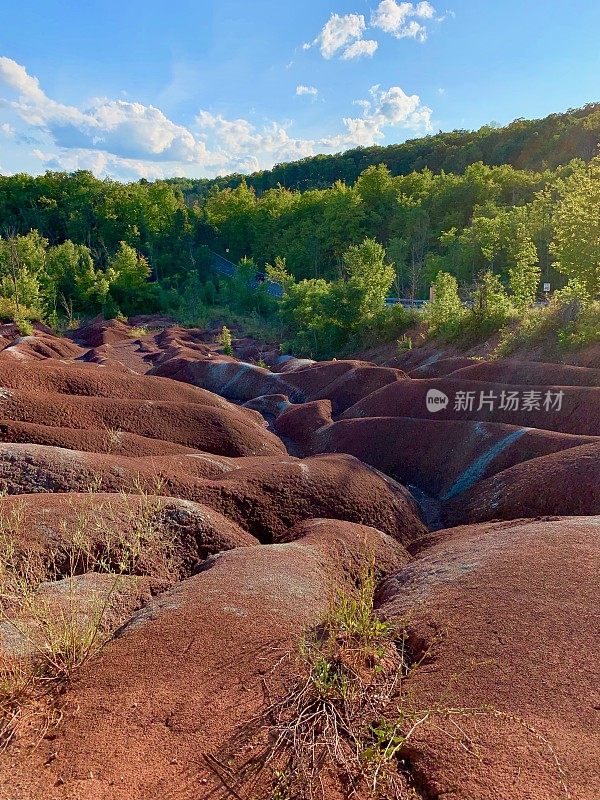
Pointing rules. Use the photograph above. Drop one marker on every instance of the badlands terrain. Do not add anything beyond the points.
(259, 494)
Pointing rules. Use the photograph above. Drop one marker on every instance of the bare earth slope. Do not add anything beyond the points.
(235, 501)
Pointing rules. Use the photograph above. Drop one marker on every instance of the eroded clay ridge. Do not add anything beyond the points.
(233, 501)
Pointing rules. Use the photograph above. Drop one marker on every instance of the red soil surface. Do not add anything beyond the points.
(508, 615)
(274, 486)
(528, 372)
(580, 412)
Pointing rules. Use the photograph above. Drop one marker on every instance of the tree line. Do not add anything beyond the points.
(534, 145)
(72, 244)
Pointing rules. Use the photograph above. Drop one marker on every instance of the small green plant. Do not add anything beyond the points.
(24, 326)
(404, 344)
(55, 632)
(349, 667)
(226, 340)
(137, 331)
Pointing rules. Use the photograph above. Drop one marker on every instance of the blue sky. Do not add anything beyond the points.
(136, 89)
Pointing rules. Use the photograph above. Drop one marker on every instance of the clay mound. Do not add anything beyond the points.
(189, 335)
(41, 346)
(247, 349)
(342, 382)
(104, 356)
(442, 458)
(440, 367)
(226, 431)
(269, 405)
(289, 363)
(579, 412)
(515, 608)
(8, 330)
(46, 523)
(529, 372)
(108, 440)
(299, 423)
(263, 495)
(425, 355)
(566, 482)
(81, 379)
(587, 357)
(170, 357)
(187, 673)
(234, 380)
(100, 331)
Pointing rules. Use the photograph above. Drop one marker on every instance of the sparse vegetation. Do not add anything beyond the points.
(137, 331)
(226, 340)
(349, 721)
(49, 633)
(332, 726)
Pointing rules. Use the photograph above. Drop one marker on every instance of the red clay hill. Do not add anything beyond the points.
(213, 508)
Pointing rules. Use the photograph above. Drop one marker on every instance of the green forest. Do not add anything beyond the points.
(484, 217)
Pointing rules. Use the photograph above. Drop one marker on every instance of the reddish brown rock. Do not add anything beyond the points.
(187, 673)
(264, 495)
(577, 412)
(223, 430)
(566, 482)
(507, 614)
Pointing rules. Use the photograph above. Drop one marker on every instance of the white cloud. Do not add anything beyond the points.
(102, 164)
(130, 131)
(425, 10)
(363, 47)
(402, 19)
(337, 33)
(128, 140)
(241, 140)
(304, 90)
(388, 108)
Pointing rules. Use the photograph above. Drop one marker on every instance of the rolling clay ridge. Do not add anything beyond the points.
(336, 579)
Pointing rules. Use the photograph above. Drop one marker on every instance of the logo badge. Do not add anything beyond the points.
(436, 400)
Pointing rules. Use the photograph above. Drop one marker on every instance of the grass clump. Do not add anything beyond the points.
(137, 331)
(331, 727)
(226, 340)
(59, 605)
(569, 322)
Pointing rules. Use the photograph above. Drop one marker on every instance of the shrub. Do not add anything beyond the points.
(445, 312)
(226, 341)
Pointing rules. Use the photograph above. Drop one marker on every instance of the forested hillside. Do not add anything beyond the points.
(73, 245)
(535, 145)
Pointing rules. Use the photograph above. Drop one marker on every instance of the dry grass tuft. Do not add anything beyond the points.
(50, 625)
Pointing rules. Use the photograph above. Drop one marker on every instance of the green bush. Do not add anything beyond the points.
(226, 341)
(583, 330)
(445, 312)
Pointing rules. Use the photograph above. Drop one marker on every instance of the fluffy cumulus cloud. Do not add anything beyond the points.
(343, 35)
(387, 108)
(338, 33)
(307, 90)
(128, 131)
(363, 47)
(128, 140)
(247, 147)
(403, 20)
